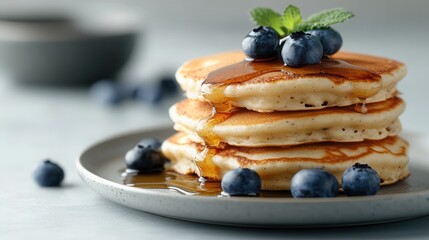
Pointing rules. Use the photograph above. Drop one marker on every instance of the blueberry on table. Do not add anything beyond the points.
(48, 174)
(151, 92)
(261, 43)
(302, 49)
(329, 38)
(145, 157)
(360, 180)
(169, 84)
(311, 183)
(241, 182)
(107, 92)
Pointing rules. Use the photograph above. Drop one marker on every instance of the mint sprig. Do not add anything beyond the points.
(291, 21)
(268, 17)
(325, 19)
(291, 18)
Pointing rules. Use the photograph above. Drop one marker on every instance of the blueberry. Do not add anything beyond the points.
(107, 92)
(331, 40)
(241, 181)
(314, 183)
(169, 84)
(48, 174)
(302, 49)
(261, 43)
(360, 180)
(149, 92)
(145, 157)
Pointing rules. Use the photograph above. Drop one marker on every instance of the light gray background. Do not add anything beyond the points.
(40, 122)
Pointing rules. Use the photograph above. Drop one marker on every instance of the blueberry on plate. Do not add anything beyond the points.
(331, 40)
(145, 157)
(107, 92)
(311, 183)
(261, 43)
(241, 182)
(153, 143)
(301, 49)
(48, 174)
(360, 180)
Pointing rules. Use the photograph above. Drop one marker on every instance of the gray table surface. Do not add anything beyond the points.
(40, 122)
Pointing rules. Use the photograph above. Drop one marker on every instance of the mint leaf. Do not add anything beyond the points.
(268, 18)
(291, 21)
(291, 18)
(324, 19)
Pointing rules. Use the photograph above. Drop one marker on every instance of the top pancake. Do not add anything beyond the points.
(341, 80)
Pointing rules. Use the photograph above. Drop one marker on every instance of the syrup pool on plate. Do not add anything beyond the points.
(183, 184)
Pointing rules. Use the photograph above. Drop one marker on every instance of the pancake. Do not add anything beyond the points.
(255, 129)
(342, 80)
(277, 165)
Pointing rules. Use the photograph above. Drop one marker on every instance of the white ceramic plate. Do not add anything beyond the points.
(99, 164)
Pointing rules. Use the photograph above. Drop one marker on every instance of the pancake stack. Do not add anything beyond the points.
(279, 120)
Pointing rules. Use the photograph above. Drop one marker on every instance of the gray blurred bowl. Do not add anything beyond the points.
(65, 49)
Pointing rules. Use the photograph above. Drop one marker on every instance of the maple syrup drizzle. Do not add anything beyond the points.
(361, 106)
(205, 127)
(213, 90)
(206, 169)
